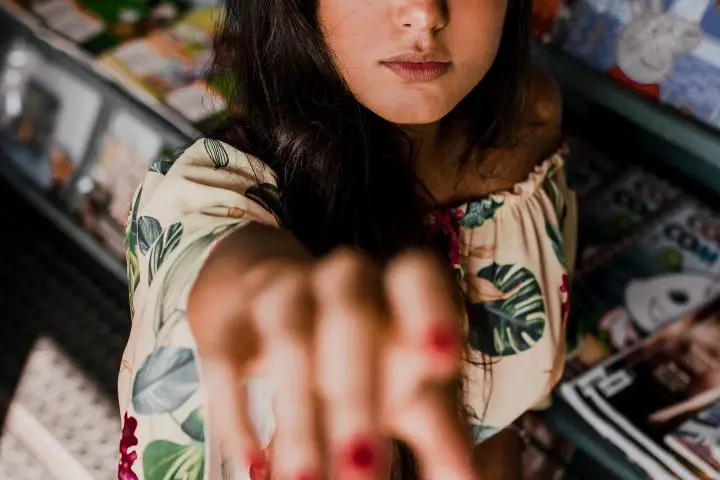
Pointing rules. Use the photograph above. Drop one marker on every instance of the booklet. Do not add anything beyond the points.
(668, 269)
(662, 395)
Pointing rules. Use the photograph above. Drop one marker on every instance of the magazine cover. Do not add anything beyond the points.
(98, 25)
(46, 118)
(655, 278)
(665, 389)
(629, 202)
(697, 440)
(588, 171)
(126, 150)
(667, 50)
(169, 66)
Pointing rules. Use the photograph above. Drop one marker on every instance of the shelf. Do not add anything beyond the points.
(60, 219)
(19, 24)
(683, 143)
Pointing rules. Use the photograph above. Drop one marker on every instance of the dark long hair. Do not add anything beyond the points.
(345, 174)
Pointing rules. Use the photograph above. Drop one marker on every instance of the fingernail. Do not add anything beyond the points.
(361, 456)
(442, 340)
(259, 468)
(307, 476)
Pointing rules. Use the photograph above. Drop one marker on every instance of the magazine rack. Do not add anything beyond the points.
(594, 107)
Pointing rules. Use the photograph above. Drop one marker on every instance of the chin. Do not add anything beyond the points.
(412, 109)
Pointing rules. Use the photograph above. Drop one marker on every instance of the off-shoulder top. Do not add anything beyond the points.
(513, 252)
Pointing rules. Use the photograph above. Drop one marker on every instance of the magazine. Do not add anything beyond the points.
(47, 117)
(663, 394)
(626, 204)
(98, 25)
(588, 171)
(698, 440)
(170, 67)
(663, 273)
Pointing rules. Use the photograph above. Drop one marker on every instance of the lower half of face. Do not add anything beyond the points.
(412, 61)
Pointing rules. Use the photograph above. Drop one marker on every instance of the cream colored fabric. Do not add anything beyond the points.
(512, 257)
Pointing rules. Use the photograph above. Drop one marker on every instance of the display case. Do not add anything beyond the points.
(76, 138)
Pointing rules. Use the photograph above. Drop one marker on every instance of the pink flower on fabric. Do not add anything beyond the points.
(565, 295)
(447, 221)
(128, 441)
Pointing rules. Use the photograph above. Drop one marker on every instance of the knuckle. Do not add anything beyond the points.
(284, 303)
(343, 271)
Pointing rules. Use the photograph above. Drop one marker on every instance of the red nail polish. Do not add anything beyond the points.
(307, 476)
(442, 340)
(361, 456)
(259, 468)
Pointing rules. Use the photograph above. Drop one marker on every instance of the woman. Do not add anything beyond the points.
(290, 314)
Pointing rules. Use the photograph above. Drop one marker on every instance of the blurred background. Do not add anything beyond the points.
(94, 91)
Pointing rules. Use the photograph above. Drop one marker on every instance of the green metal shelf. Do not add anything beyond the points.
(677, 141)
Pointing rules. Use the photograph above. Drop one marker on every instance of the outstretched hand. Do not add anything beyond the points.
(357, 355)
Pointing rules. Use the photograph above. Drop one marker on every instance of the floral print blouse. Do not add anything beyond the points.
(512, 251)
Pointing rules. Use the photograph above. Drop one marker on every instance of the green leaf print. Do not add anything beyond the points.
(164, 460)
(556, 239)
(194, 425)
(513, 323)
(168, 242)
(162, 167)
(216, 152)
(149, 230)
(166, 380)
(185, 265)
(479, 211)
(481, 433)
(552, 189)
(268, 196)
(131, 243)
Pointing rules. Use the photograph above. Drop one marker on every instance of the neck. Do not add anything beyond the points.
(426, 141)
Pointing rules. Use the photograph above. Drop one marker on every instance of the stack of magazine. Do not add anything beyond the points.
(645, 372)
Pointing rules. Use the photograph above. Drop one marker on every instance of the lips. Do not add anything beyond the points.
(418, 71)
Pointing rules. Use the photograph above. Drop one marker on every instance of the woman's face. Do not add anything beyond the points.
(412, 61)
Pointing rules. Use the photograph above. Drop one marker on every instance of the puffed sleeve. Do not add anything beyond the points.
(182, 209)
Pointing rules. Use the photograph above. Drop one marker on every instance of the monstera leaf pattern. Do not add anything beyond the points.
(161, 166)
(513, 318)
(131, 245)
(163, 247)
(164, 460)
(479, 211)
(268, 196)
(165, 381)
(556, 240)
(555, 194)
(216, 152)
(149, 230)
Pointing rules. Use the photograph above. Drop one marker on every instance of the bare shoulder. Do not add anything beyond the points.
(538, 136)
(540, 128)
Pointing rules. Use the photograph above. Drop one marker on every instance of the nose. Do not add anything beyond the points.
(421, 15)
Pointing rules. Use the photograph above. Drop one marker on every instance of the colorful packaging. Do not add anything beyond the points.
(668, 50)
(97, 25)
(170, 66)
